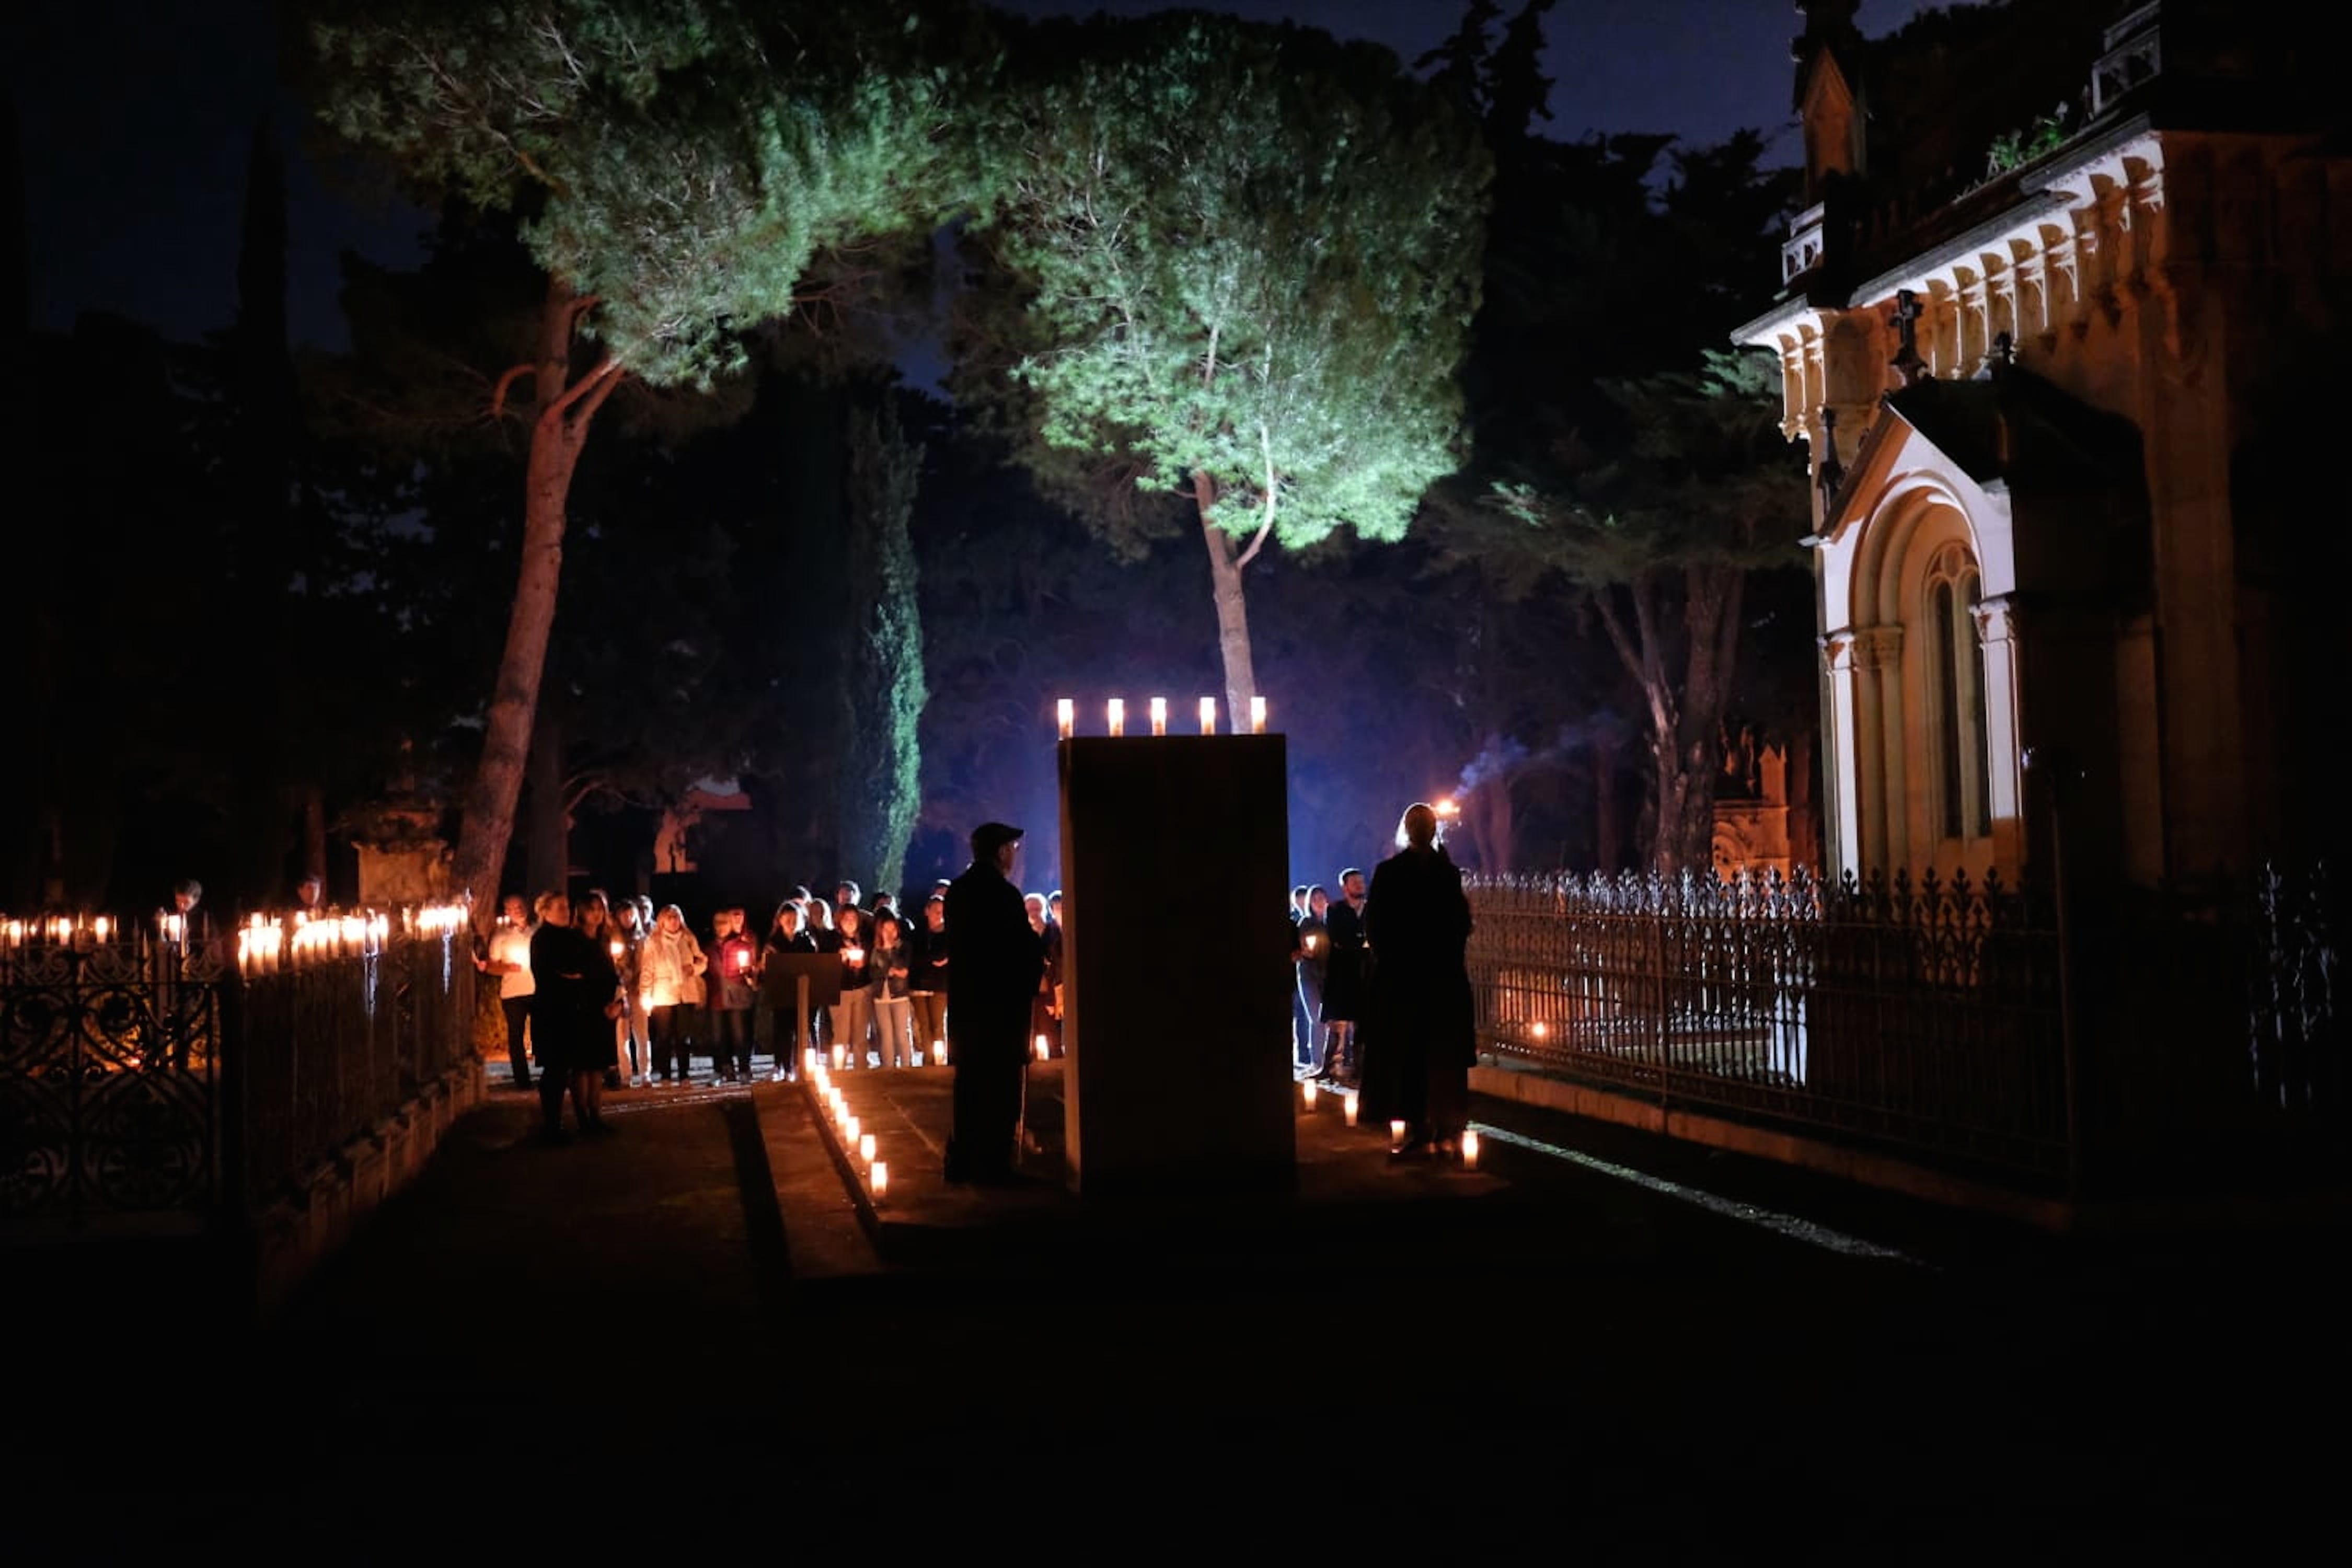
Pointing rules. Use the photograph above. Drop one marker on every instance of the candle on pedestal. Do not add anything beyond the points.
(1065, 717)
(1257, 715)
(1470, 1148)
(1118, 717)
(1207, 715)
(1160, 715)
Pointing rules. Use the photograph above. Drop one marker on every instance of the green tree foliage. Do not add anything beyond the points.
(676, 166)
(1249, 258)
(1628, 474)
(882, 698)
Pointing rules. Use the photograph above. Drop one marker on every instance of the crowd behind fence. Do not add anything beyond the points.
(1951, 1019)
(192, 1075)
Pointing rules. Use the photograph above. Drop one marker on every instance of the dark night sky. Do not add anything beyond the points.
(137, 117)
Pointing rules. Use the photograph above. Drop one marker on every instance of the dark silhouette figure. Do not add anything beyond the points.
(998, 959)
(1420, 1036)
(573, 1004)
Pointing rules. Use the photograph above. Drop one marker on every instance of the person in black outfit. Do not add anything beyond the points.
(1343, 980)
(1420, 1035)
(574, 998)
(998, 961)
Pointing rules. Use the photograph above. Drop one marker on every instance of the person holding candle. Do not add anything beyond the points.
(636, 1043)
(737, 959)
(779, 991)
(1422, 1035)
(1046, 1011)
(670, 967)
(853, 1016)
(894, 1013)
(926, 979)
(1312, 949)
(998, 961)
(509, 959)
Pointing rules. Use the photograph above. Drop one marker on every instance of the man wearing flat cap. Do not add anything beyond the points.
(997, 960)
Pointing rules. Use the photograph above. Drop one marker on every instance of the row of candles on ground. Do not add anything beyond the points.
(1066, 716)
(859, 1142)
(1350, 1104)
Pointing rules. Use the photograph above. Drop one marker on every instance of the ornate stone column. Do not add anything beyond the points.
(1996, 622)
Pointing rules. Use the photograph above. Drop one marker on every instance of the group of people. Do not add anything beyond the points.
(604, 992)
(1382, 1002)
(611, 992)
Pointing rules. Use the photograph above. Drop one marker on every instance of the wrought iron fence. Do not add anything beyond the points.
(110, 1073)
(1941, 1017)
(142, 1078)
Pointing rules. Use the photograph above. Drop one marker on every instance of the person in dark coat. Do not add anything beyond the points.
(1344, 977)
(998, 959)
(574, 998)
(1420, 1036)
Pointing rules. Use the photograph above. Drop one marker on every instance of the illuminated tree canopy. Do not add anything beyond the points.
(1251, 256)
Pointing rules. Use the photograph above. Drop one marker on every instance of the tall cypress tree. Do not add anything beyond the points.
(882, 693)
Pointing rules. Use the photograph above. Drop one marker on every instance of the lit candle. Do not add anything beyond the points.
(1540, 1031)
(1348, 1103)
(1043, 1054)
(881, 1180)
(940, 1052)
(838, 1054)
(1257, 715)
(1118, 717)
(1065, 717)
(808, 1059)
(1160, 715)
(849, 1130)
(866, 1148)
(1308, 1088)
(1470, 1148)
(103, 927)
(1207, 715)
(1396, 1134)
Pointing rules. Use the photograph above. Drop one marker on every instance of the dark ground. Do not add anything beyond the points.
(1542, 1354)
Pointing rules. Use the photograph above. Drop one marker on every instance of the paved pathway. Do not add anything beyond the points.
(1645, 1349)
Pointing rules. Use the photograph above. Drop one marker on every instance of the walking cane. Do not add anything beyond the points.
(1021, 1140)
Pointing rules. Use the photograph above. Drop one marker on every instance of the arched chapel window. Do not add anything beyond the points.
(1956, 691)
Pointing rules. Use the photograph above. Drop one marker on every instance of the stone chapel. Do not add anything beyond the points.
(2060, 327)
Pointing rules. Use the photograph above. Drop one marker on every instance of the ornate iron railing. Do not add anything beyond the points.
(139, 1079)
(110, 1059)
(1940, 1018)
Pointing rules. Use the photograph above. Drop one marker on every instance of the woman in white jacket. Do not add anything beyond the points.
(669, 987)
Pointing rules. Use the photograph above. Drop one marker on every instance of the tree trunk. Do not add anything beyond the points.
(1687, 759)
(1232, 612)
(561, 427)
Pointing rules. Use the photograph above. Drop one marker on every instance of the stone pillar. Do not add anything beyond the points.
(1880, 739)
(1175, 859)
(1841, 717)
(1996, 621)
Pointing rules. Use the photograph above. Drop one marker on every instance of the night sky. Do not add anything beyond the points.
(137, 118)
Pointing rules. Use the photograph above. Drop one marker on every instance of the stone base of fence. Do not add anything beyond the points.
(298, 1232)
(1829, 1158)
(2304, 1208)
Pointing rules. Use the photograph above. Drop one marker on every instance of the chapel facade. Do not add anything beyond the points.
(2060, 325)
